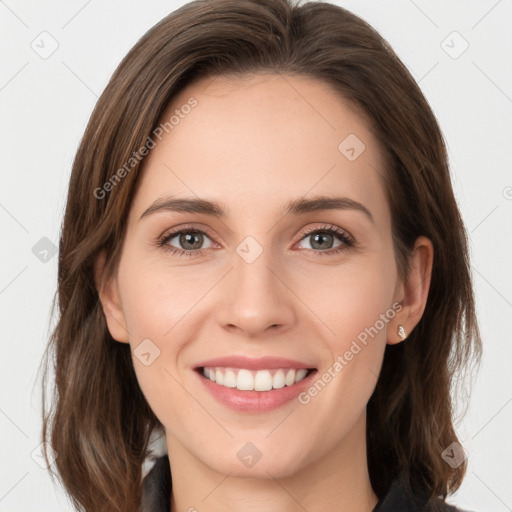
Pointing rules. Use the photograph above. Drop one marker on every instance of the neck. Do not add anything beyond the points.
(338, 480)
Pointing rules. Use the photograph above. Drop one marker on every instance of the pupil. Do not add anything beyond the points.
(187, 238)
(318, 245)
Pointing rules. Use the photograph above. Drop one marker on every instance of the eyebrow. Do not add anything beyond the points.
(296, 207)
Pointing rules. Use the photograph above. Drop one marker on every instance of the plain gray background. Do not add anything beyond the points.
(45, 103)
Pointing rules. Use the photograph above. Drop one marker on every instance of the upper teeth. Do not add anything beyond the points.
(261, 380)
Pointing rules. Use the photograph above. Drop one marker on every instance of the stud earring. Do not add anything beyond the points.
(401, 332)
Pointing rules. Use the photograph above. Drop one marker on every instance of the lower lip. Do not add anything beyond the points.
(255, 401)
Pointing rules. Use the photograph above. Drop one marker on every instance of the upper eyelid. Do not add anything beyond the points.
(326, 227)
(174, 232)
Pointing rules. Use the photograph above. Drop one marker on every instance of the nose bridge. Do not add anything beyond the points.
(257, 299)
(254, 280)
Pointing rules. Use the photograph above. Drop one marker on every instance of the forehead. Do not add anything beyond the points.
(255, 142)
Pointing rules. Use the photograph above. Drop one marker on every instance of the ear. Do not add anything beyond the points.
(108, 293)
(414, 291)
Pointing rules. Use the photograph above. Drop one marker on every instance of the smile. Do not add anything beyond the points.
(251, 380)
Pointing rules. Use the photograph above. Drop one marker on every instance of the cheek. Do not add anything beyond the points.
(162, 304)
(159, 299)
(355, 303)
(350, 298)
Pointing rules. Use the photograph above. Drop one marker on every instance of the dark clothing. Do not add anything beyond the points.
(400, 498)
(156, 494)
(156, 487)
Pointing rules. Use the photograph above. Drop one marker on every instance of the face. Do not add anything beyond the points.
(281, 274)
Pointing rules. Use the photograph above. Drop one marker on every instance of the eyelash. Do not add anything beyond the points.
(341, 235)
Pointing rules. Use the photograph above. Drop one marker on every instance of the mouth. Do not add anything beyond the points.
(254, 385)
(262, 380)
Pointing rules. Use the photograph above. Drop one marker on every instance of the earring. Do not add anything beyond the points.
(401, 332)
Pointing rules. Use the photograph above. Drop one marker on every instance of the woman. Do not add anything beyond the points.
(262, 261)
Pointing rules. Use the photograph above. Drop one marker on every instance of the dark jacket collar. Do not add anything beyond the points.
(157, 486)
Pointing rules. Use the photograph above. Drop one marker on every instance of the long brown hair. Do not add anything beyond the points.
(99, 422)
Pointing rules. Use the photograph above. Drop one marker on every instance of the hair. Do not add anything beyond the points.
(98, 421)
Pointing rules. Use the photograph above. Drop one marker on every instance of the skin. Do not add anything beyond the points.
(253, 144)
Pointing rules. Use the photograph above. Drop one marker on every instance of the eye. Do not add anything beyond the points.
(321, 240)
(190, 242)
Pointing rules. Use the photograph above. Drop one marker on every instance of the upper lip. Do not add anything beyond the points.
(261, 363)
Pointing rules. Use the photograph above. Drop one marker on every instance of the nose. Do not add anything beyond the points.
(257, 300)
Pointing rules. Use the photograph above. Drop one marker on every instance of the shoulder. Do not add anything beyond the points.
(401, 498)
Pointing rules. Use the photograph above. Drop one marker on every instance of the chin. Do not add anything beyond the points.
(264, 463)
